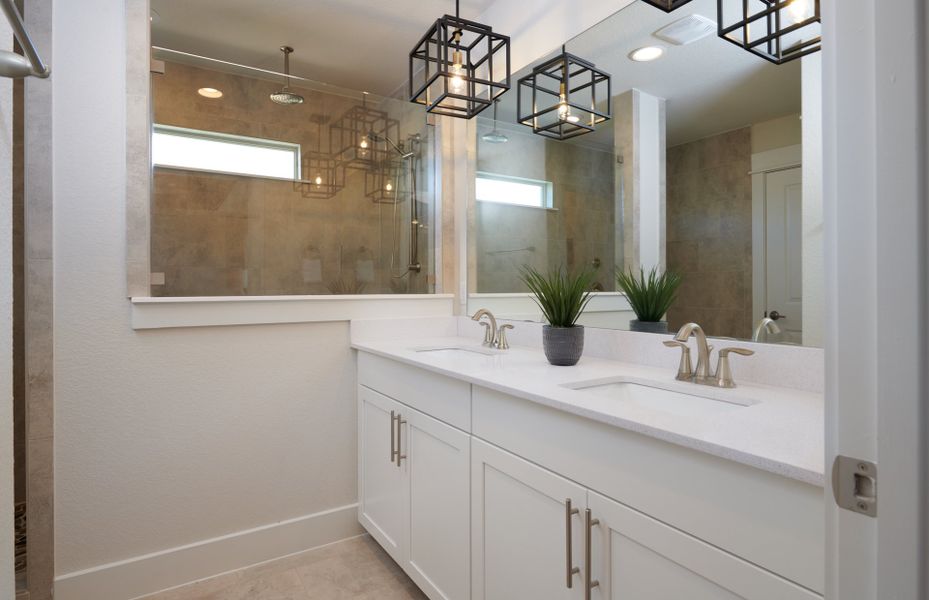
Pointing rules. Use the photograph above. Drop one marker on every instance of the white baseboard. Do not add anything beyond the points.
(158, 571)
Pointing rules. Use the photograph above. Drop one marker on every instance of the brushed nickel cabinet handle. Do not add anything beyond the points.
(400, 423)
(570, 570)
(589, 584)
(393, 436)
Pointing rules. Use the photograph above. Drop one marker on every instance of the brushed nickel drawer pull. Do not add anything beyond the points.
(589, 523)
(400, 423)
(393, 436)
(570, 570)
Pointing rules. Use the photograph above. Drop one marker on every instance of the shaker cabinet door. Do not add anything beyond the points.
(382, 496)
(524, 541)
(635, 557)
(439, 471)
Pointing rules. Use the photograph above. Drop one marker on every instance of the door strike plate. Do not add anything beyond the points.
(854, 484)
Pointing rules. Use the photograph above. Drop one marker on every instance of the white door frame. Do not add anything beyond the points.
(763, 163)
(875, 63)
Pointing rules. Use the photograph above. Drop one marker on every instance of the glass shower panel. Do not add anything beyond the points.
(356, 220)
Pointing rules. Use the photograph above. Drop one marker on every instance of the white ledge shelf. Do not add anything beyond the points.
(215, 311)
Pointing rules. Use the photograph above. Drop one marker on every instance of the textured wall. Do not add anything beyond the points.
(216, 234)
(709, 219)
(577, 232)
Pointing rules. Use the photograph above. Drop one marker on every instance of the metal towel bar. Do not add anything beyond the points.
(14, 65)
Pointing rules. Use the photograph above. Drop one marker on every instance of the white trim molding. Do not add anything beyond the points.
(150, 573)
(210, 311)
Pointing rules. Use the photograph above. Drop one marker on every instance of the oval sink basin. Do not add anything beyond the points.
(663, 400)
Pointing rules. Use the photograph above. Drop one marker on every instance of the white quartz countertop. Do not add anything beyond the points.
(781, 431)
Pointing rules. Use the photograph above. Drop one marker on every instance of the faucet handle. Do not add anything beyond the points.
(685, 371)
(724, 370)
(501, 343)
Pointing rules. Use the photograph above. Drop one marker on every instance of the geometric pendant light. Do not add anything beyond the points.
(562, 97)
(350, 136)
(667, 5)
(459, 67)
(321, 174)
(777, 30)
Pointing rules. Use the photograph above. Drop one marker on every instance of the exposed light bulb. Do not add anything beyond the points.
(458, 82)
(319, 180)
(798, 10)
(363, 144)
(389, 187)
(564, 111)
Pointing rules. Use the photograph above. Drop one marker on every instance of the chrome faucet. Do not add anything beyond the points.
(702, 371)
(490, 329)
(767, 325)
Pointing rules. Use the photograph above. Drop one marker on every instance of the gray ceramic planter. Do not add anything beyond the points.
(649, 326)
(563, 345)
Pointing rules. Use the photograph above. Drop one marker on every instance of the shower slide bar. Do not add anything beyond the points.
(17, 66)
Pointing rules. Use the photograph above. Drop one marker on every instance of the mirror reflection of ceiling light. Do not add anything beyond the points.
(647, 53)
(208, 92)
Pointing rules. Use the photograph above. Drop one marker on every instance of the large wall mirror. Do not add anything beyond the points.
(700, 171)
(278, 170)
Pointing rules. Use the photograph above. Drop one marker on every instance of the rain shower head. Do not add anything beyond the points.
(495, 136)
(285, 96)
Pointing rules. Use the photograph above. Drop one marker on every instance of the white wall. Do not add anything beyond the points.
(167, 437)
(7, 582)
(539, 27)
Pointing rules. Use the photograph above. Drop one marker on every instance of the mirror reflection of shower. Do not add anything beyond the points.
(408, 154)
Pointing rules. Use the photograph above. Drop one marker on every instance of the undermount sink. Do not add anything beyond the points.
(474, 354)
(659, 399)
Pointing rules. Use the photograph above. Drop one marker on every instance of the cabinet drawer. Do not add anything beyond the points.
(771, 521)
(444, 398)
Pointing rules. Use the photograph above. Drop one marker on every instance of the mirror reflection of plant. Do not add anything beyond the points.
(650, 296)
(561, 297)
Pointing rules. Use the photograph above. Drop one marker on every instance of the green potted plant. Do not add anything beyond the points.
(650, 297)
(562, 298)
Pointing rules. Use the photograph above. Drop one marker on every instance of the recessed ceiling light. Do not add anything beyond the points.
(647, 53)
(208, 92)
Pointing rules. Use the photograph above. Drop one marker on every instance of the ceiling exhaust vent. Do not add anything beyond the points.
(687, 30)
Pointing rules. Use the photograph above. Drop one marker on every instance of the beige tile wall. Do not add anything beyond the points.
(709, 219)
(215, 234)
(578, 231)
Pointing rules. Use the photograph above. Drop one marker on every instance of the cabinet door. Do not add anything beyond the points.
(635, 557)
(382, 496)
(438, 469)
(522, 539)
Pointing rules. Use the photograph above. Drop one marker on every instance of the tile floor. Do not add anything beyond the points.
(354, 569)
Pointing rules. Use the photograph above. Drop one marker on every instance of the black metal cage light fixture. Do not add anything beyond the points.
(777, 30)
(562, 97)
(382, 184)
(459, 67)
(321, 175)
(350, 136)
(667, 5)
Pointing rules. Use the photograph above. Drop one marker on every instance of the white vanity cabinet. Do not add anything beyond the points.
(495, 497)
(414, 482)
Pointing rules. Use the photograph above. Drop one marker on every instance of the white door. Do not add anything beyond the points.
(438, 468)
(635, 557)
(524, 541)
(382, 498)
(784, 252)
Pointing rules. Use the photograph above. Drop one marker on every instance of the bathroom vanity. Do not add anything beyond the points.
(493, 475)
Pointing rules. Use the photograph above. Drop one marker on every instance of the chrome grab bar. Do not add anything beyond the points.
(12, 64)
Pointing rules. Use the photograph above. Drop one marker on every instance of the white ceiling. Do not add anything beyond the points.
(710, 86)
(357, 44)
